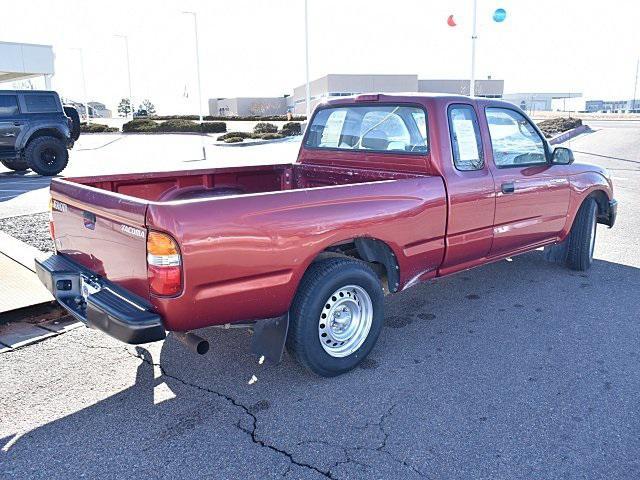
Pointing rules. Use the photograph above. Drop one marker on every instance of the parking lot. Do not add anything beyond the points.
(518, 369)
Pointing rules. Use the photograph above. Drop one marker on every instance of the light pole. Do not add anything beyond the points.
(635, 85)
(126, 46)
(84, 85)
(195, 28)
(474, 36)
(306, 60)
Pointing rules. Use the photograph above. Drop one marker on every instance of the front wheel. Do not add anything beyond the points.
(582, 238)
(336, 316)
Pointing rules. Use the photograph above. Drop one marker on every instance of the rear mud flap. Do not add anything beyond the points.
(269, 337)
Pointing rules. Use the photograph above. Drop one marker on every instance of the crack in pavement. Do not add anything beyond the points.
(252, 432)
(347, 451)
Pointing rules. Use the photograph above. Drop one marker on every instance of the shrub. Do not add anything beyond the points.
(292, 128)
(256, 118)
(139, 125)
(264, 127)
(554, 126)
(174, 117)
(214, 127)
(178, 125)
(234, 135)
(96, 128)
(271, 136)
(233, 140)
(251, 118)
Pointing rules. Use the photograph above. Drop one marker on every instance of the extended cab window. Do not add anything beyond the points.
(41, 103)
(8, 105)
(514, 140)
(466, 144)
(381, 128)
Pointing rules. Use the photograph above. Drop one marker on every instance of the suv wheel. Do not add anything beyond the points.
(336, 316)
(16, 165)
(46, 156)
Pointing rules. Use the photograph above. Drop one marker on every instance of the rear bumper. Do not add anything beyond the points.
(98, 303)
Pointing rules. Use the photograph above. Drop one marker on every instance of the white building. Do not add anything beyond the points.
(22, 61)
(532, 102)
(248, 106)
(341, 85)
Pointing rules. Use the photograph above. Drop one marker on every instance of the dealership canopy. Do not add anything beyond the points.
(20, 61)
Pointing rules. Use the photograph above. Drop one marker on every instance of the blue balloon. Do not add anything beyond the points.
(499, 15)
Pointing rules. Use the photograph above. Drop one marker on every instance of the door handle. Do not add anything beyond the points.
(18, 124)
(9, 135)
(508, 187)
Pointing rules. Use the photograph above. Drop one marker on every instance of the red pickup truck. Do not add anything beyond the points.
(387, 191)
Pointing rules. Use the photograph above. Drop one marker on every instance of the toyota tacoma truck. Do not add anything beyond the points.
(387, 191)
(36, 131)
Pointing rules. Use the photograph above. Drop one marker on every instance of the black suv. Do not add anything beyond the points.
(36, 131)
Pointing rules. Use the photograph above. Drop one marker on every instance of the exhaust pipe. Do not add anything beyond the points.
(193, 342)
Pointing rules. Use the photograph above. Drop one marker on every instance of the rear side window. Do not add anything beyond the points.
(41, 103)
(380, 128)
(466, 143)
(8, 105)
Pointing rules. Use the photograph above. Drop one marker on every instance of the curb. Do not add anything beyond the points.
(257, 142)
(569, 134)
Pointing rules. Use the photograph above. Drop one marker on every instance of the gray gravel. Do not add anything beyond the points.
(31, 229)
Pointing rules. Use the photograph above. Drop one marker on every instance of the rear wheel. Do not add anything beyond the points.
(16, 165)
(73, 114)
(582, 238)
(336, 316)
(46, 156)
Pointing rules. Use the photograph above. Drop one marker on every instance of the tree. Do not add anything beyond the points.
(149, 107)
(124, 107)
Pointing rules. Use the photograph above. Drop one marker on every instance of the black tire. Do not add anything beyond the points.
(320, 282)
(73, 114)
(581, 240)
(47, 156)
(16, 165)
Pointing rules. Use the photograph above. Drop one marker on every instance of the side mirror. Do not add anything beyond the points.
(562, 156)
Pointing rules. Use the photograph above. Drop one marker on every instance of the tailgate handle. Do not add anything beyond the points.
(89, 220)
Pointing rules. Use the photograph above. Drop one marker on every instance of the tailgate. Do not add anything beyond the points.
(103, 231)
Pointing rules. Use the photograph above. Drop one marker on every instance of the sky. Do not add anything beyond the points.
(256, 47)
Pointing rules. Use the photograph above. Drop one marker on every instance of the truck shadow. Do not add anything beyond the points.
(514, 325)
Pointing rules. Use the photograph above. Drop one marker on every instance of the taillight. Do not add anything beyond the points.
(52, 231)
(164, 264)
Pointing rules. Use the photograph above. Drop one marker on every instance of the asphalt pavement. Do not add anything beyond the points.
(518, 369)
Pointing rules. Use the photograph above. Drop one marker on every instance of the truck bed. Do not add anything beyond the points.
(211, 183)
(246, 234)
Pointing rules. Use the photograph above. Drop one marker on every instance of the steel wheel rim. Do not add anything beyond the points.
(345, 321)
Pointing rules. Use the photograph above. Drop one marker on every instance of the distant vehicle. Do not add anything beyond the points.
(388, 191)
(141, 113)
(36, 131)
